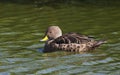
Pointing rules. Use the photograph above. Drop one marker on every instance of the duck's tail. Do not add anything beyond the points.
(100, 42)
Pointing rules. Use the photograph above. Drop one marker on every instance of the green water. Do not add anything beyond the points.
(22, 26)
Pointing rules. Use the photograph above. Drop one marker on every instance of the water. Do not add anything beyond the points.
(22, 26)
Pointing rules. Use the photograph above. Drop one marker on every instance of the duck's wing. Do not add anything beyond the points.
(72, 38)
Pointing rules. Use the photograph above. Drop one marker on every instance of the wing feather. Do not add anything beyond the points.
(72, 38)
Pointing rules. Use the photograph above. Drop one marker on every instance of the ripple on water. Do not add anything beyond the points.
(35, 46)
(5, 73)
(52, 69)
(15, 60)
(96, 62)
(10, 33)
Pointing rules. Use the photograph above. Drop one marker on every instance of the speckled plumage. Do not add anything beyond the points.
(73, 42)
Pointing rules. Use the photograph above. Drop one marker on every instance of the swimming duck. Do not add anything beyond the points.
(73, 42)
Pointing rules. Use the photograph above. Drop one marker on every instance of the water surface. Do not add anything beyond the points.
(22, 26)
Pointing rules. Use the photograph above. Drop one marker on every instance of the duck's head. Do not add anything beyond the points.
(51, 33)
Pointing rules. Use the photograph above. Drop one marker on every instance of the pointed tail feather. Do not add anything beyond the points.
(100, 42)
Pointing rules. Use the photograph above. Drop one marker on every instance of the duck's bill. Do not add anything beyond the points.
(44, 39)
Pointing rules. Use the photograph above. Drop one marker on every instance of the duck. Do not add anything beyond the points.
(72, 42)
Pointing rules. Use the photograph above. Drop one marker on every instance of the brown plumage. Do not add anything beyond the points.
(73, 42)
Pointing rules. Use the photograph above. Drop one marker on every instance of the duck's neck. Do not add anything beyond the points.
(49, 41)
